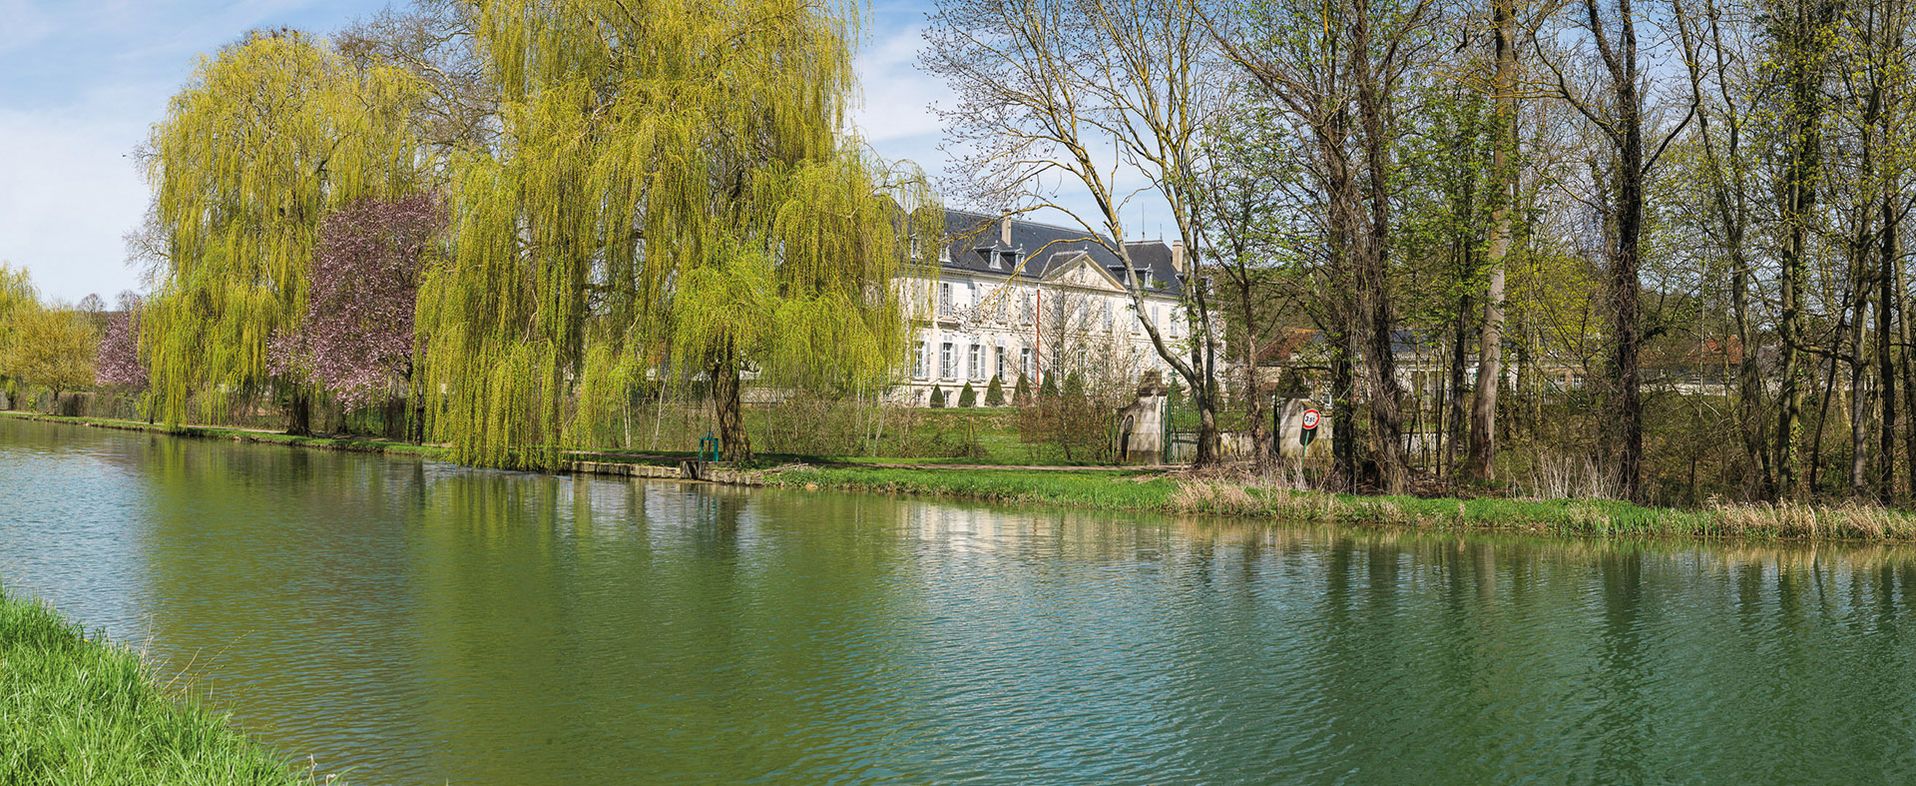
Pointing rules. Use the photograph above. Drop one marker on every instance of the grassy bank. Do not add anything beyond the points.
(1176, 493)
(78, 710)
(1118, 490)
(349, 443)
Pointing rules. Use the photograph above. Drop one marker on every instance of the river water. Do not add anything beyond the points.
(411, 622)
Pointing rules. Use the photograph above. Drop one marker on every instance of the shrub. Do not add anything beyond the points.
(967, 397)
(995, 393)
(937, 397)
(1021, 395)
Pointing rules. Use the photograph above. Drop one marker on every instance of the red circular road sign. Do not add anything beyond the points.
(1310, 419)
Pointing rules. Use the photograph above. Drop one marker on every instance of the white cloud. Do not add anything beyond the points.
(897, 94)
(68, 191)
(895, 114)
(88, 81)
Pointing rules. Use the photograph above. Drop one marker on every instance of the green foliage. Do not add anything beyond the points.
(18, 298)
(674, 194)
(995, 392)
(1021, 395)
(52, 348)
(81, 710)
(267, 136)
(967, 397)
(1049, 387)
(17, 295)
(1074, 385)
(937, 397)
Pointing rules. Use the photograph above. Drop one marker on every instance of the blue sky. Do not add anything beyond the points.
(83, 81)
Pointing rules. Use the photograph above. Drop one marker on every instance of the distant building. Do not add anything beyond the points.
(1015, 298)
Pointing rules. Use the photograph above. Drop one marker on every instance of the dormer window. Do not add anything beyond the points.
(1007, 260)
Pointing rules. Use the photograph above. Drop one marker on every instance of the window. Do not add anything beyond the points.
(944, 298)
(1007, 260)
(1024, 362)
(946, 367)
(975, 363)
(1107, 316)
(998, 369)
(1026, 308)
(919, 362)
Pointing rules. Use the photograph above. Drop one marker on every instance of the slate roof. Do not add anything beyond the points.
(968, 234)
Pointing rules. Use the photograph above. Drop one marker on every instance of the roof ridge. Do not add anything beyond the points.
(1094, 236)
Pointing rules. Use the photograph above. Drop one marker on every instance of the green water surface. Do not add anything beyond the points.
(412, 622)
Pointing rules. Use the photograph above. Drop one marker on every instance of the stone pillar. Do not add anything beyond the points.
(1141, 425)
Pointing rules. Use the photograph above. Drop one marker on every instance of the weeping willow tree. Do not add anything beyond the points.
(18, 298)
(269, 134)
(672, 198)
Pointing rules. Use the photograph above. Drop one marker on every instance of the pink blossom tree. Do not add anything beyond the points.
(119, 364)
(356, 340)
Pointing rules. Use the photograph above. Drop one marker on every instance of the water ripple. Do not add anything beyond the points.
(416, 623)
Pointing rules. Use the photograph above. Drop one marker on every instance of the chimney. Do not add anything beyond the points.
(1004, 231)
(1177, 256)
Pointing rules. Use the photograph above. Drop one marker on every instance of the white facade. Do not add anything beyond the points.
(1076, 316)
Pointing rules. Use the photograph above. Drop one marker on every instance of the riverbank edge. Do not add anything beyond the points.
(662, 469)
(1159, 491)
(348, 444)
(76, 708)
(1238, 497)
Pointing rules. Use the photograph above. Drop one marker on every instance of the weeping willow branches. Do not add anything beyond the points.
(672, 197)
(271, 133)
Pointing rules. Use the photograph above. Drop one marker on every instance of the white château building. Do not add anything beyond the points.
(1012, 298)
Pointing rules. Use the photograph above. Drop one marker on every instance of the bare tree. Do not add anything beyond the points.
(1335, 69)
(1060, 98)
(1607, 39)
(1717, 69)
(434, 40)
(1245, 162)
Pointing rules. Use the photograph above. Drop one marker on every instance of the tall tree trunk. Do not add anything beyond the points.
(1885, 366)
(1623, 435)
(1822, 418)
(727, 408)
(1905, 334)
(1729, 192)
(1858, 365)
(1343, 412)
(299, 413)
(1483, 410)
(1204, 382)
(1455, 386)
(1800, 37)
(1262, 449)
(1373, 269)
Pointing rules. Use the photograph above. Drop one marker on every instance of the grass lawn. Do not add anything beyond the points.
(79, 710)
